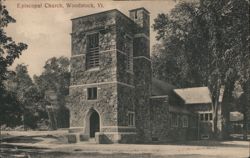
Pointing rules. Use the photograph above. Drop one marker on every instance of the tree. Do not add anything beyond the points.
(31, 97)
(166, 68)
(210, 39)
(54, 80)
(55, 76)
(229, 26)
(20, 82)
(182, 35)
(10, 109)
(244, 108)
(27, 95)
(9, 51)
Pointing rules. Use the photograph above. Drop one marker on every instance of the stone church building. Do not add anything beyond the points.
(113, 97)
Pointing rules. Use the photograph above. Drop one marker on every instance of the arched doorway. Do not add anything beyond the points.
(94, 122)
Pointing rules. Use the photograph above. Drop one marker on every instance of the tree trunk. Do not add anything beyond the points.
(227, 101)
(246, 109)
(215, 103)
(215, 119)
(52, 119)
(245, 126)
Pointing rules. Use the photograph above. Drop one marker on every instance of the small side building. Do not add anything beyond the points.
(198, 101)
(170, 119)
(236, 122)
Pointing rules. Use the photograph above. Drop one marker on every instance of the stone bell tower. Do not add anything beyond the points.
(143, 72)
(105, 59)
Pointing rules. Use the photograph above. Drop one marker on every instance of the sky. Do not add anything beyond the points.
(46, 31)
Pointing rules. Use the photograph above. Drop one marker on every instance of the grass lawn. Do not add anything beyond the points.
(54, 144)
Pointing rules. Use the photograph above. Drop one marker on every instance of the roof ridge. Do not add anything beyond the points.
(190, 88)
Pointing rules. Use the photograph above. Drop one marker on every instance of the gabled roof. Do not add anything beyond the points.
(160, 88)
(196, 95)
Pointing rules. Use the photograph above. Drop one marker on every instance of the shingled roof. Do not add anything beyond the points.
(160, 88)
(196, 95)
(176, 109)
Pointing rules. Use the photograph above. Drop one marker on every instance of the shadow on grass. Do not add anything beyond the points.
(21, 139)
(10, 151)
(16, 147)
(211, 143)
(34, 139)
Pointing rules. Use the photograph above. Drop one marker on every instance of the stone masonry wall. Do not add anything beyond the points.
(103, 77)
(105, 105)
(104, 24)
(143, 74)
(142, 20)
(162, 127)
(142, 69)
(125, 27)
(142, 45)
(125, 30)
(105, 73)
(159, 119)
(125, 104)
(123, 74)
(89, 24)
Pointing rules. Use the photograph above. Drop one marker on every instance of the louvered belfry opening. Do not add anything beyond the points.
(92, 59)
(129, 53)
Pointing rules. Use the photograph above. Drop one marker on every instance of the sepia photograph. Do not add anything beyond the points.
(124, 79)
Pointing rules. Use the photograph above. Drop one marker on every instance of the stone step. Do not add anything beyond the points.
(90, 141)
